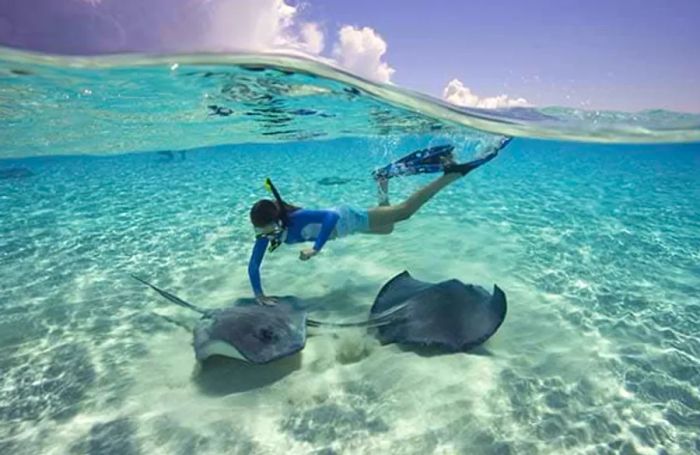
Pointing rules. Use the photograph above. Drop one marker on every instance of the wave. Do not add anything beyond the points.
(55, 105)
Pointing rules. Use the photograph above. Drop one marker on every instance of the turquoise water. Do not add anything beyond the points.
(597, 245)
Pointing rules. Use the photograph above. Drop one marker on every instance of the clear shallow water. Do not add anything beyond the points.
(596, 246)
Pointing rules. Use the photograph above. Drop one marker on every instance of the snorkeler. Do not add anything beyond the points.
(278, 222)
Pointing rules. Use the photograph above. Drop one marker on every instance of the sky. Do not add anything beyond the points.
(627, 55)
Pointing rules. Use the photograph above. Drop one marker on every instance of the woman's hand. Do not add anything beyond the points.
(264, 300)
(307, 254)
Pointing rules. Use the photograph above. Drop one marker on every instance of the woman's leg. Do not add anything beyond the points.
(382, 219)
(383, 191)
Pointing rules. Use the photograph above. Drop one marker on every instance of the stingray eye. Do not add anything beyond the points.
(266, 335)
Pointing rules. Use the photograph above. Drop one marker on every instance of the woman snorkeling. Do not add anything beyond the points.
(278, 222)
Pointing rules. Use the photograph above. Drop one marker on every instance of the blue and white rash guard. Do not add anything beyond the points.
(303, 226)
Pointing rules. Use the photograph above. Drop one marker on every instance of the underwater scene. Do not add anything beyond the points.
(113, 167)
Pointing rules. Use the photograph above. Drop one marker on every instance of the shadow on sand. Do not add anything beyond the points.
(220, 376)
(428, 351)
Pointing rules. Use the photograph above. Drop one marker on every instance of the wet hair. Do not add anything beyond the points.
(266, 212)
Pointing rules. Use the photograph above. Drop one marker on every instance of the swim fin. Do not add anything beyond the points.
(421, 161)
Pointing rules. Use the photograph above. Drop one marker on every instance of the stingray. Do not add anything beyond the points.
(328, 181)
(15, 173)
(450, 315)
(246, 331)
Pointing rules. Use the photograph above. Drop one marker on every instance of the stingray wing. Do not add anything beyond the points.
(254, 333)
(450, 314)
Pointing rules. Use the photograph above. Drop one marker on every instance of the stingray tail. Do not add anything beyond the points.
(173, 298)
(377, 321)
(173, 321)
(337, 325)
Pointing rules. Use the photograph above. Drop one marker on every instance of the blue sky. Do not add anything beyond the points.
(595, 54)
(619, 54)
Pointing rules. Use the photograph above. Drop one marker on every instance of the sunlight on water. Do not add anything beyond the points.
(596, 245)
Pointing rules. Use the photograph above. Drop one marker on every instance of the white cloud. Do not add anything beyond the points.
(189, 26)
(312, 38)
(456, 93)
(361, 52)
(274, 25)
(222, 26)
(255, 25)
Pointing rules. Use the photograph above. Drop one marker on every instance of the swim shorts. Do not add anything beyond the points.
(351, 221)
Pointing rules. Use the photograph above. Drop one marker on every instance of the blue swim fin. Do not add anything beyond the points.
(421, 161)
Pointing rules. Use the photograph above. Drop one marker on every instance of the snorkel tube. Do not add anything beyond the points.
(284, 217)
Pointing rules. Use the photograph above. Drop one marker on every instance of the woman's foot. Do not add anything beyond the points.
(464, 168)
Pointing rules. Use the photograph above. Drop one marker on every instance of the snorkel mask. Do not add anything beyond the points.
(275, 236)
